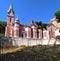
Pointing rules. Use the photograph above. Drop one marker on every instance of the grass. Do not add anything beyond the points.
(33, 53)
(56, 57)
(11, 49)
(1, 34)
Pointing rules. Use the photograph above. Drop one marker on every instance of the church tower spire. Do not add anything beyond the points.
(10, 16)
(10, 9)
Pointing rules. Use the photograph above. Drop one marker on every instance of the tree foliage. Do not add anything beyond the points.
(58, 37)
(2, 26)
(57, 14)
(41, 25)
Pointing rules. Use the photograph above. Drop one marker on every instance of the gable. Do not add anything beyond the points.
(51, 26)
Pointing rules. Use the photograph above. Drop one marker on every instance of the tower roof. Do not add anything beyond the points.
(32, 24)
(10, 9)
(17, 20)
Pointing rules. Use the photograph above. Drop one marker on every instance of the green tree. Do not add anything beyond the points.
(39, 24)
(44, 25)
(2, 28)
(57, 14)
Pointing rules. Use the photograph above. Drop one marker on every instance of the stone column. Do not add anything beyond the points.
(48, 35)
(45, 34)
(28, 32)
(16, 30)
(40, 33)
(34, 33)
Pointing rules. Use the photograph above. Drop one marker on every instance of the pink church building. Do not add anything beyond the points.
(15, 29)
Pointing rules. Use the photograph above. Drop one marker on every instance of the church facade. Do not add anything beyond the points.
(15, 29)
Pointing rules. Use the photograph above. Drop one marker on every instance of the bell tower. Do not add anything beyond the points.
(9, 31)
(10, 16)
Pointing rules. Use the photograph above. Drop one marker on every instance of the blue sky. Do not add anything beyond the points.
(27, 10)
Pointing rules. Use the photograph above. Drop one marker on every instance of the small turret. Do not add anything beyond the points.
(17, 21)
(16, 28)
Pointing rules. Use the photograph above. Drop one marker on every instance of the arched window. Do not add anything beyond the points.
(22, 34)
(10, 19)
(59, 31)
